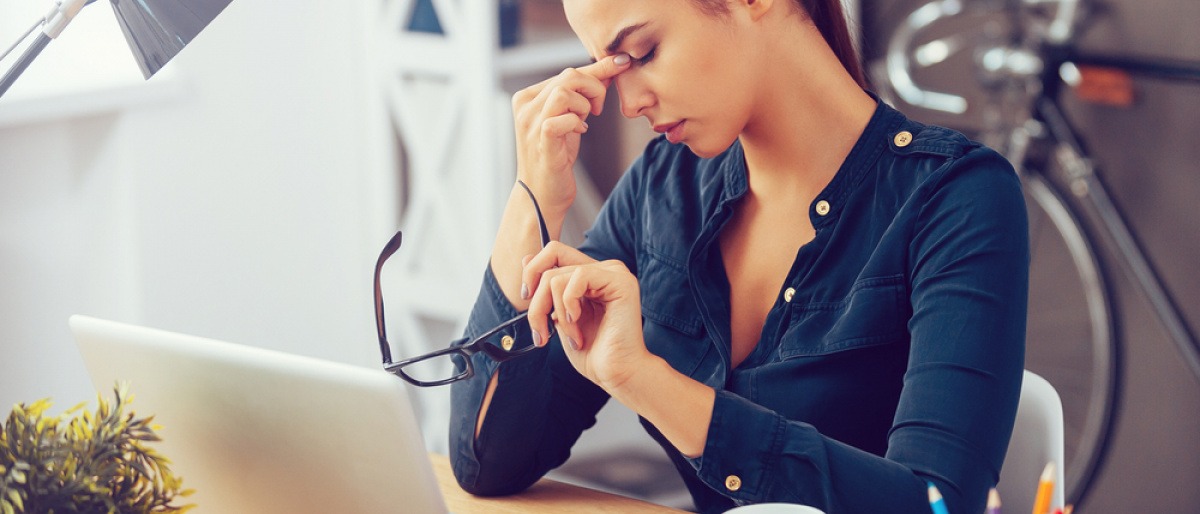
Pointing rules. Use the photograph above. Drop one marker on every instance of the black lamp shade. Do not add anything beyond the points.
(158, 29)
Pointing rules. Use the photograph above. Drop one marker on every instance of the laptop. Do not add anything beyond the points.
(260, 431)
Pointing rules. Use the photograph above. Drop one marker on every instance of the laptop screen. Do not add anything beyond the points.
(260, 431)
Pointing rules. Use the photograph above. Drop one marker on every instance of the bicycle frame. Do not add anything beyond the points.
(1029, 76)
(1087, 185)
(1049, 58)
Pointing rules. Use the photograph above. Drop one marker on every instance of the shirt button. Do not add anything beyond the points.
(733, 483)
(506, 342)
(903, 138)
(822, 207)
(787, 295)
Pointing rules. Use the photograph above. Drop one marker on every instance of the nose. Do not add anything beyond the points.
(635, 95)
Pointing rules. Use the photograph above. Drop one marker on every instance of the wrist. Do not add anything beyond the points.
(679, 406)
(645, 374)
(554, 213)
(554, 198)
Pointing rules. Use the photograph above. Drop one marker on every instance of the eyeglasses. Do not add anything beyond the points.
(439, 367)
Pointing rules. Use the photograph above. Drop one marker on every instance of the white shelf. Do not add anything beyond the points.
(542, 56)
(91, 101)
(433, 54)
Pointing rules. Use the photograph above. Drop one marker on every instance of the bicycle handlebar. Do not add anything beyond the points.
(899, 63)
(1023, 60)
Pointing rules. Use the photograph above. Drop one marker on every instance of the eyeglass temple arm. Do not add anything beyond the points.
(381, 328)
(538, 210)
(394, 244)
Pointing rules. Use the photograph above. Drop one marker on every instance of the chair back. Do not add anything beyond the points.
(1036, 440)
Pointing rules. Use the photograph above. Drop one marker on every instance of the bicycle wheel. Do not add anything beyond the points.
(1071, 338)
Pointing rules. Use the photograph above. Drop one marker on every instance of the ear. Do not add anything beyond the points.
(756, 9)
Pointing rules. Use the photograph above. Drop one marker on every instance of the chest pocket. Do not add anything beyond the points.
(666, 294)
(673, 328)
(874, 312)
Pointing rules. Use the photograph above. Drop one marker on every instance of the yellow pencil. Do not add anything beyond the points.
(1041, 503)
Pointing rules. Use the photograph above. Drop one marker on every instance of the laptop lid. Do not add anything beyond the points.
(260, 431)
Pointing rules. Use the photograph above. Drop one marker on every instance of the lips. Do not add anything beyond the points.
(674, 131)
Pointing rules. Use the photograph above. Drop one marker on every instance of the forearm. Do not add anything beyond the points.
(539, 409)
(503, 459)
(517, 237)
(680, 407)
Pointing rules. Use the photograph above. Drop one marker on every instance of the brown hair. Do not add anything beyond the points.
(829, 18)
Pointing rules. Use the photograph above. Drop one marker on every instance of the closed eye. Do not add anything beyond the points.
(641, 61)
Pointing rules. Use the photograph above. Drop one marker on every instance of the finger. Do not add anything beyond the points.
(564, 100)
(525, 292)
(608, 67)
(540, 307)
(561, 125)
(591, 81)
(574, 81)
(605, 70)
(538, 316)
(554, 255)
(567, 329)
(572, 297)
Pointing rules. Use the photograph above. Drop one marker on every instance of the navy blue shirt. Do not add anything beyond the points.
(892, 355)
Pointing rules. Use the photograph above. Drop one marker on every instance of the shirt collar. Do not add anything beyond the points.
(831, 201)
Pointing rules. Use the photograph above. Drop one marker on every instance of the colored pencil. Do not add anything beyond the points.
(936, 503)
(993, 503)
(1045, 491)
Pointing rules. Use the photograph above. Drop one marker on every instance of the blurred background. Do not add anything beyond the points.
(244, 191)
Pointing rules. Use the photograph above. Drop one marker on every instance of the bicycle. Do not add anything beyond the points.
(1025, 60)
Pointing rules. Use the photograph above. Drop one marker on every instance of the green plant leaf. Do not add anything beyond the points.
(14, 499)
(84, 461)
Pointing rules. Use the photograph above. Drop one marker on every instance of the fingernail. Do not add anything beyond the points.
(621, 59)
(524, 292)
(537, 338)
(585, 125)
(569, 319)
(574, 345)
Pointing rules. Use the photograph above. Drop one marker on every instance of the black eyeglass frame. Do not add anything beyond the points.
(477, 345)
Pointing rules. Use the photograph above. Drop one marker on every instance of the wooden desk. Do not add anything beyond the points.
(546, 496)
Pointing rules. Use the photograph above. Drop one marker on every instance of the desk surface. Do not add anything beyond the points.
(546, 496)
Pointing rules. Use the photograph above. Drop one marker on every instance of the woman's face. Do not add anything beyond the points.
(692, 75)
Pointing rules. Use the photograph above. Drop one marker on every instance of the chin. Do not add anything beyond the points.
(708, 149)
(703, 152)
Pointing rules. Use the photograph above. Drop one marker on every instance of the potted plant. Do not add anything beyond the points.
(80, 462)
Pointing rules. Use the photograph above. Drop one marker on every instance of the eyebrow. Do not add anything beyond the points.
(620, 38)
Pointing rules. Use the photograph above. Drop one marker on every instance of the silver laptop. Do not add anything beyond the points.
(259, 431)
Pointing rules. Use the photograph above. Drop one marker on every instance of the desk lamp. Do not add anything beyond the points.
(156, 30)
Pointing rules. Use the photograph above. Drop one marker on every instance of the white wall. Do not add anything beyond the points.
(238, 207)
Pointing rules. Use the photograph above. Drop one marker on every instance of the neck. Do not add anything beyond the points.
(811, 114)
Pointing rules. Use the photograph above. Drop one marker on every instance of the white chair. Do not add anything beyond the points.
(1036, 440)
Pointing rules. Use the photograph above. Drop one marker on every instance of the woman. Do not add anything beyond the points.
(804, 295)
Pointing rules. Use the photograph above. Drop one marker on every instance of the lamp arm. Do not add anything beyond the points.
(52, 25)
(60, 15)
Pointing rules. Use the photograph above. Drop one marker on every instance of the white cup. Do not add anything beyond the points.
(775, 508)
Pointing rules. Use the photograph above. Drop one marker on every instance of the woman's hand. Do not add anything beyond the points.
(597, 312)
(550, 117)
